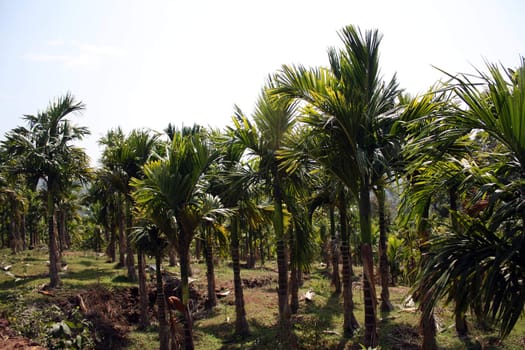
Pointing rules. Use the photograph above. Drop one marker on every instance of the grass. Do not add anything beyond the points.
(318, 324)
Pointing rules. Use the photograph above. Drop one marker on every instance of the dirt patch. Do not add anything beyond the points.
(111, 311)
(10, 340)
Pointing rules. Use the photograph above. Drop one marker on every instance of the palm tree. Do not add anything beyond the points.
(345, 103)
(273, 123)
(485, 263)
(109, 181)
(421, 181)
(43, 151)
(149, 238)
(167, 194)
(326, 195)
(15, 214)
(103, 199)
(124, 157)
(213, 230)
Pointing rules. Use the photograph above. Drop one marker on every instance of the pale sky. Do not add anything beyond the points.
(148, 63)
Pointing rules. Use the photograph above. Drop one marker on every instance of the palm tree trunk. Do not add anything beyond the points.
(459, 315)
(427, 323)
(60, 235)
(350, 323)
(172, 255)
(143, 291)
(62, 230)
(122, 238)
(285, 331)
(241, 325)
(336, 280)
(251, 254)
(184, 247)
(384, 270)
(325, 252)
(261, 246)
(13, 231)
(210, 272)
(371, 338)
(130, 260)
(54, 257)
(294, 283)
(284, 306)
(164, 329)
(23, 232)
(110, 251)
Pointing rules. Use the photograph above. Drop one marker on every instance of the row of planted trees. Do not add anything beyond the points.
(319, 137)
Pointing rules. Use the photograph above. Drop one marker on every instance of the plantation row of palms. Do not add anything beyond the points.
(321, 141)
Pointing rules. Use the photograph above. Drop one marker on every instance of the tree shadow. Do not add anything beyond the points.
(262, 336)
(324, 315)
(19, 281)
(398, 335)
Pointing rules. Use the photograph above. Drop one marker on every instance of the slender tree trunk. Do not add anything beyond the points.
(122, 238)
(371, 338)
(241, 325)
(130, 260)
(31, 233)
(15, 225)
(210, 271)
(251, 255)
(67, 234)
(172, 255)
(384, 270)
(54, 257)
(336, 280)
(164, 328)
(112, 240)
(23, 232)
(261, 247)
(143, 290)
(62, 230)
(284, 306)
(459, 314)
(285, 326)
(427, 323)
(294, 289)
(350, 323)
(325, 246)
(13, 232)
(198, 249)
(294, 275)
(60, 233)
(184, 246)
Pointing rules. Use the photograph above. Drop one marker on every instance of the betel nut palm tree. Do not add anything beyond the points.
(167, 195)
(483, 260)
(44, 152)
(272, 124)
(344, 103)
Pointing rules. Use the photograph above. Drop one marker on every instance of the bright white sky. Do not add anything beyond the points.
(148, 63)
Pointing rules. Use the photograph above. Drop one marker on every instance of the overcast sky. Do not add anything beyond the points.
(148, 63)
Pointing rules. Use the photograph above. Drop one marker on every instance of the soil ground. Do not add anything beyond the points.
(109, 303)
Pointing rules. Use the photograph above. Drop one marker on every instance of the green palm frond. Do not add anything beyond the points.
(486, 265)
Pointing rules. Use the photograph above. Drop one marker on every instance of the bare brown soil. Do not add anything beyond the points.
(9, 340)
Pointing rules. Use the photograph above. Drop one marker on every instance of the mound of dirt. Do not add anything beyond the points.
(112, 311)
